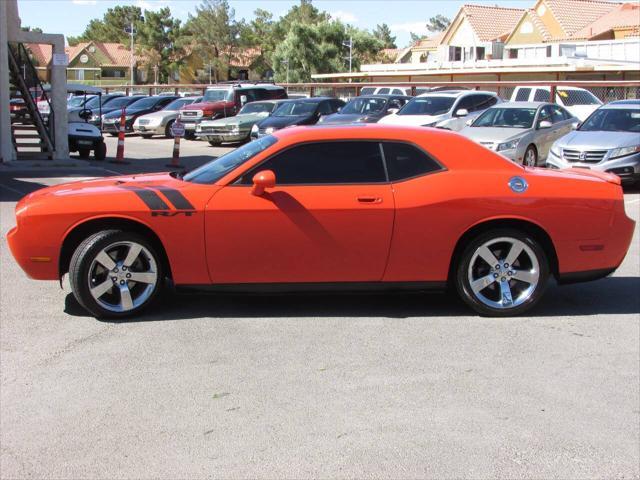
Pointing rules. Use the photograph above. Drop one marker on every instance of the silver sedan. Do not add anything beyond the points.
(521, 131)
(160, 122)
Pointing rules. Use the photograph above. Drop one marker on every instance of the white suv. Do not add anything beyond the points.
(450, 110)
(580, 102)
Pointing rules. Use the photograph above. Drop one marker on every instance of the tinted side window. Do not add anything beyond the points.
(557, 114)
(541, 96)
(325, 108)
(545, 115)
(397, 91)
(523, 95)
(325, 163)
(383, 91)
(466, 103)
(406, 161)
(486, 101)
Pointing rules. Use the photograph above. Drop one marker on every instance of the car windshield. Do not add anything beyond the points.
(612, 120)
(427, 106)
(257, 107)
(506, 117)
(295, 109)
(122, 102)
(216, 169)
(178, 103)
(364, 106)
(76, 101)
(577, 97)
(144, 103)
(218, 95)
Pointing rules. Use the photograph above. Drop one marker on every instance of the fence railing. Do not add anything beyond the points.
(605, 90)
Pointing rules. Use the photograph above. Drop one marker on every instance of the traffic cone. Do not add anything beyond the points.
(120, 152)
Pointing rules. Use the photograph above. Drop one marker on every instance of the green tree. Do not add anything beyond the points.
(439, 23)
(383, 33)
(415, 37)
(260, 34)
(157, 43)
(112, 26)
(213, 34)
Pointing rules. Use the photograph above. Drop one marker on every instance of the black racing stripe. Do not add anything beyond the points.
(174, 196)
(150, 198)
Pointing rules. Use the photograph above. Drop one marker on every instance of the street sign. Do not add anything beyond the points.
(177, 129)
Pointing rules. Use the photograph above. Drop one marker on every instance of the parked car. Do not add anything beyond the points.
(160, 122)
(115, 104)
(337, 207)
(446, 109)
(367, 109)
(111, 121)
(578, 101)
(521, 131)
(385, 90)
(297, 112)
(78, 101)
(94, 105)
(226, 101)
(607, 141)
(238, 128)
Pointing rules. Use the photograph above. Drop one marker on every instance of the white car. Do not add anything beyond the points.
(450, 110)
(579, 102)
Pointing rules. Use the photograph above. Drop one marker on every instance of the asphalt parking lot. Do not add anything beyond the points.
(326, 386)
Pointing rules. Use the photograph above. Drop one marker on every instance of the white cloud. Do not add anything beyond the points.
(419, 28)
(345, 17)
(151, 4)
(84, 2)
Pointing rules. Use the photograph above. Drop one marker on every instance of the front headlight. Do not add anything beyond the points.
(556, 151)
(255, 128)
(508, 145)
(269, 130)
(623, 151)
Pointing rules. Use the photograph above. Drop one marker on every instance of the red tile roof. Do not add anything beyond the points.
(491, 22)
(625, 16)
(573, 15)
(117, 54)
(41, 53)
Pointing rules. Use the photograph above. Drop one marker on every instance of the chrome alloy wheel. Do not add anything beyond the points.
(122, 276)
(503, 273)
(530, 158)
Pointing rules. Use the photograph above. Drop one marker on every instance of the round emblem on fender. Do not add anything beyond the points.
(518, 184)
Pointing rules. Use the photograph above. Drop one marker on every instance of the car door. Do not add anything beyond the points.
(544, 136)
(328, 219)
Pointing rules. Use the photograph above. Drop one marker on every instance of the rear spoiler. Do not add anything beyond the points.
(585, 172)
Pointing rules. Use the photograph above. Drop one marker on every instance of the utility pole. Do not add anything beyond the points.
(130, 30)
(350, 45)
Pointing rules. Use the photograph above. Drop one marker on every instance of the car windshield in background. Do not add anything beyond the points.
(577, 97)
(144, 103)
(121, 102)
(364, 105)
(295, 109)
(218, 95)
(257, 107)
(428, 106)
(507, 118)
(216, 169)
(612, 120)
(76, 101)
(178, 103)
(367, 90)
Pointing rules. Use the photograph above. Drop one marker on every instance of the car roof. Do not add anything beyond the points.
(383, 96)
(548, 88)
(521, 104)
(626, 105)
(454, 93)
(633, 101)
(313, 99)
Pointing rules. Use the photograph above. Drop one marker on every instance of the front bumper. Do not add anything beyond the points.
(627, 168)
(114, 127)
(76, 142)
(149, 129)
(38, 259)
(223, 136)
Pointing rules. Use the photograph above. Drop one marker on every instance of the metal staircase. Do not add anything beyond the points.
(32, 135)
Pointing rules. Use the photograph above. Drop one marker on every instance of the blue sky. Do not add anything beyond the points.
(403, 16)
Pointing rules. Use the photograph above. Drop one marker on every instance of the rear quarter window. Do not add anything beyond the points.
(406, 161)
(522, 95)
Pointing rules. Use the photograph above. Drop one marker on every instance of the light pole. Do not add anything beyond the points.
(131, 31)
(350, 45)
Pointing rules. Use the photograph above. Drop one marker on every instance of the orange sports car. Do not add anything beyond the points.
(346, 207)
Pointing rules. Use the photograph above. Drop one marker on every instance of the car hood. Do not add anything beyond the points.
(414, 120)
(340, 118)
(598, 140)
(162, 114)
(493, 134)
(219, 105)
(244, 119)
(281, 122)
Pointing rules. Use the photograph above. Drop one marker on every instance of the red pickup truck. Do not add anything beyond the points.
(225, 101)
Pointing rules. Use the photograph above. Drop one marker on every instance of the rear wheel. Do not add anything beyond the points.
(84, 152)
(502, 272)
(115, 273)
(100, 153)
(530, 157)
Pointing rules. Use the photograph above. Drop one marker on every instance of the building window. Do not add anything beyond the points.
(455, 54)
(548, 51)
(513, 52)
(479, 53)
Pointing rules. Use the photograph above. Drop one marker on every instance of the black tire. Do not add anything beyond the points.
(167, 129)
(463, 285)
(213, 143)
(81, 262)
(84, 152)
(113, 134)
(146, 136)
(100, 153)
(189, 135)
(533, 152)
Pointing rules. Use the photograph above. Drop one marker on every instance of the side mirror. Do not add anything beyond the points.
(575, 126)
(545, 124)
(469, 122)
(263, 180)
(391, 111)
(462, 112)
(243, 99)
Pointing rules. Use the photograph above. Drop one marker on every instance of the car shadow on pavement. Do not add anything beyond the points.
(13, 189)
(614, 295)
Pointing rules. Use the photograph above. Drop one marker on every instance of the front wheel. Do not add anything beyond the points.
(502, 273)
(84, 152)
(530, 157)
(214, 143)
(167, 130)
(100, 153)
(115, 274)
(146, 136)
